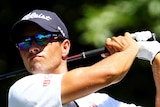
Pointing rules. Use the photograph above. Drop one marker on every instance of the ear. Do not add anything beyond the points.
(65, 48)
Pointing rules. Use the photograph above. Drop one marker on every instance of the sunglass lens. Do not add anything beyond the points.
(24, 45)
(43, 39)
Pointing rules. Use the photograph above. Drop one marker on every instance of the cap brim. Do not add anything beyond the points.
(19, 26)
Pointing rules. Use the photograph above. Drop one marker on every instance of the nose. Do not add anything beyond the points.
(34, 48)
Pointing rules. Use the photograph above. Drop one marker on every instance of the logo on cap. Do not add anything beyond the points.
(35, 15)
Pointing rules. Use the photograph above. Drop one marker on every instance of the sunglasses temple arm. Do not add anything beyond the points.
(82, 55)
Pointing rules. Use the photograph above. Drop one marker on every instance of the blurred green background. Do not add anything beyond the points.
(89, 22)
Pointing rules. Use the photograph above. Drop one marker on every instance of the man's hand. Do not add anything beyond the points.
(148, 50)
(142, 36)
(120, 43)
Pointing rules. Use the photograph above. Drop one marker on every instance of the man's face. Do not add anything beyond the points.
(41, 59)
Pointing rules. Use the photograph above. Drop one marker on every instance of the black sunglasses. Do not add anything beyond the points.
(41, 39)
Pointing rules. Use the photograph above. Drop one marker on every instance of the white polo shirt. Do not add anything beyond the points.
(44, 90)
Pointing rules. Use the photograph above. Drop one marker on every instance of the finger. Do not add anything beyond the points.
(104, 55)
(110, 46)
(119, 43)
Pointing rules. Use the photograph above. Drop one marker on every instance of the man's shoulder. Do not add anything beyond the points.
(36, 79)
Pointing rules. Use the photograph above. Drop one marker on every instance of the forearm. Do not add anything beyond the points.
(124, 51)
(156, 74)
(118, 64)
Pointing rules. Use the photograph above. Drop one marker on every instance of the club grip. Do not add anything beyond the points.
(94, 52)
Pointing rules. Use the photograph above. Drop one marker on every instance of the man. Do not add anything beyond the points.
(43, 42)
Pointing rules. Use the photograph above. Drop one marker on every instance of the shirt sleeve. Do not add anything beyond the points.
(101, 100)
(39, 90)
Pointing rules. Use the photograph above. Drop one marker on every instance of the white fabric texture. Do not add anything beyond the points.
(148, 50)
(142, 36)
(101, 100)
(39, 90)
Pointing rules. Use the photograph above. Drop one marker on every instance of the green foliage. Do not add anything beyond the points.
(104, 21)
